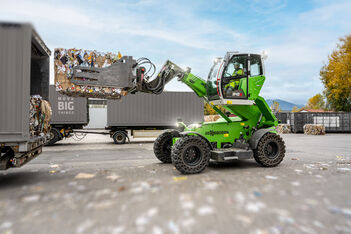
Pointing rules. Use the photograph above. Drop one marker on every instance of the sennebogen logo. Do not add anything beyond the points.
(212, 133)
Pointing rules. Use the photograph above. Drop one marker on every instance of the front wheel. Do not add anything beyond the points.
(270, 150)
(163, 145)
(190, 154)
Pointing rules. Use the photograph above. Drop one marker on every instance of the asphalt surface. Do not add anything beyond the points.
(95, 186)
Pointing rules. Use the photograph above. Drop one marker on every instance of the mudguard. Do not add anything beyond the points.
(257, 136)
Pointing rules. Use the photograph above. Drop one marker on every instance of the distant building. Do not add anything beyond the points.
(313, 110)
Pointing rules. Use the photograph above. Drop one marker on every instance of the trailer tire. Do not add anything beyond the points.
(55, 136)
(191, 154)
(6, 155)
(163, 146)
(119, 137)
(270, 150)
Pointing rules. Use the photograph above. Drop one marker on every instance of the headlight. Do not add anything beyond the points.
(194, 125)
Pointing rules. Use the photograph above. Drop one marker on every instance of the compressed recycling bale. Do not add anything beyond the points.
(314, 129)
(283, 128)
(66, 59)
(211, 118)
(39, 116)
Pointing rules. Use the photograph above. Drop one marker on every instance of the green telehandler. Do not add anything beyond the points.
(246, 128)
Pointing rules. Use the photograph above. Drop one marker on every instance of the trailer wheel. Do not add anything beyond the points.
(6, 154)
(190, 154)
(163, 146)
(270, 150)
(55, 136)
(119, 137)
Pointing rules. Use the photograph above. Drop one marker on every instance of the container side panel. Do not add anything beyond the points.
(67, 110)
(144, 109)
(15, 50)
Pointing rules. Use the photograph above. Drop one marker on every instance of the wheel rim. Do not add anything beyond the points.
(192, 156)
(271, 150)
(119, 138)
(52, 135)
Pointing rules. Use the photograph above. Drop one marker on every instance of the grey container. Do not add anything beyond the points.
(149, 110)
(334, 122)
(24, 71)
(282, 117)
(68, 110)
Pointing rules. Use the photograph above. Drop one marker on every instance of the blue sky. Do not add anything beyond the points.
(298, 35)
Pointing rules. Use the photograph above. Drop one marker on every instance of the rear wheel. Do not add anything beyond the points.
(163, 146)
(190, 154)
(270, 150)
(119, 137)
(55, 136)
(6, 154)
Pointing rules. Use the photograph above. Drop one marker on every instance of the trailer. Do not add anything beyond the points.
(68, 114)
(24, 71)
(143, 115)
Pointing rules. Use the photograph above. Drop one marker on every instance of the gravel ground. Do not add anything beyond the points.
(95, 186)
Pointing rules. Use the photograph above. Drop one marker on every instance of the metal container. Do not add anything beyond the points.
(148, 110)
(334, 122)
(24, 71)
(68, 110)
(282, 117)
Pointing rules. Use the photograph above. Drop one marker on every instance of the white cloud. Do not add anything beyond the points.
(164, 30)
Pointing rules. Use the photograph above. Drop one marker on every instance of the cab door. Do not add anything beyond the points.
(234, 81)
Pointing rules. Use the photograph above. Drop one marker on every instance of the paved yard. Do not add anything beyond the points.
(95, 186)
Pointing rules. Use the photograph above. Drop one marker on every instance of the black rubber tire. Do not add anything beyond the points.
(200, 152)
(6, 155)
(163, 146)
(270, 150)
(56, 136)
(119, 137)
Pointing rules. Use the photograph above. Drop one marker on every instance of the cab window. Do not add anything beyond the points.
(234, 79)
(236, 66)
(255, 65)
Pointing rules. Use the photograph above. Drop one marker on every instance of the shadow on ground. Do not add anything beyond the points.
(20, 178)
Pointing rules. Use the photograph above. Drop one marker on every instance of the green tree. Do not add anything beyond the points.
(275, 107)
(208, 110)
(295, 109)
(336, 76)
(316, 102)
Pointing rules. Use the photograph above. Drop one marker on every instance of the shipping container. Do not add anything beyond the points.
(143, 111)
(68, 113)
(24, 71)
(282, 116)
(334, 122)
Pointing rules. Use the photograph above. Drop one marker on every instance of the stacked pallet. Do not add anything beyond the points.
(283, 128)
(39, 116)
(314, 129)
(211, 118)
(66, 59)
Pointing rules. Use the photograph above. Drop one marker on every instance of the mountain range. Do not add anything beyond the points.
(283, 105)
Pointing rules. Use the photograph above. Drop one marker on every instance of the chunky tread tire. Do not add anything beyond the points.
(163, 145)
(179, 151)
(260, 153)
